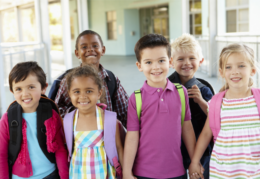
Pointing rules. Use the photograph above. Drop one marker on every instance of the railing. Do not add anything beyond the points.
(222, 41)
(13, 53)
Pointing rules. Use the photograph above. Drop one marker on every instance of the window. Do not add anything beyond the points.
(27, 16)
(195, 17)
(237, 16)
(111, 25)
(9, 27)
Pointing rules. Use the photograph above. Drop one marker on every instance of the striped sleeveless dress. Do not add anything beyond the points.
(236, 153)
(89, 160)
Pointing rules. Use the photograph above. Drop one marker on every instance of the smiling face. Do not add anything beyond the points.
(237, 71)
(155, 65)
(90, 50)
(84, 94)
(186, 64)
(28, 93)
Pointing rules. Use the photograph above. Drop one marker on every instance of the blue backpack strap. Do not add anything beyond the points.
(68, 130)
(110, 123)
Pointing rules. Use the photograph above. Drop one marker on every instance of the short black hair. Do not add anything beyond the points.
(151, 41)
(86, 32)
(21, 71)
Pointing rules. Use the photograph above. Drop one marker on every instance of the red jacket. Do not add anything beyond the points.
(22, 166)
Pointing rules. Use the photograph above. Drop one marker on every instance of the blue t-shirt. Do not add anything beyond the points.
(41, 166)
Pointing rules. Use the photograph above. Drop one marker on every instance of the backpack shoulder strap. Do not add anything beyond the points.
(14, 114)
(110, 123)
(183, 102)
(256, 93)
(68, 130)
(111, 84)
(214, 113)
(138, 101)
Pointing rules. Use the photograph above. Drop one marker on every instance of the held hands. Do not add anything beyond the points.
(196, 171)
(194, 92)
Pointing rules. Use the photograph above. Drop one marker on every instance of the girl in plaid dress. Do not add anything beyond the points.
(89, 159)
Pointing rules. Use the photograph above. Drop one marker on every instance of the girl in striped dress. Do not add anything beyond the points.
(89, 159)
(236, 153)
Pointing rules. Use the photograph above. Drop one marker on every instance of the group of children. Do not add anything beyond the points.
(164, 119)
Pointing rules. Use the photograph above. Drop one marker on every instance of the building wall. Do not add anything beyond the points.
(128, 21)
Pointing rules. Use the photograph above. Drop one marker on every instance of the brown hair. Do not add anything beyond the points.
(236, 48)
(151, 41)
(87, 32)
(21, 71)
(85, 71)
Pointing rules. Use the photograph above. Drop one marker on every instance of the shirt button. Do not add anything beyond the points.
(161, 99)
(158, 90)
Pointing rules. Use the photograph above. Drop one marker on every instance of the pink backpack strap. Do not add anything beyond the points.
(68, 130)
(214, 113)
(256, 93)
(110, 140)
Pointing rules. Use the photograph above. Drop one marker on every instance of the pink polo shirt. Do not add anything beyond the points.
(159, 150)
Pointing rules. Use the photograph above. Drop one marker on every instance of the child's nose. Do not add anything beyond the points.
(187, 61)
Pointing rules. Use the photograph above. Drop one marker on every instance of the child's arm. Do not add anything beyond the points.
(195, 93)
(61, 154)
(4, 138)
(188, 137)
(203, 142)
(119, 146)
(131, 146)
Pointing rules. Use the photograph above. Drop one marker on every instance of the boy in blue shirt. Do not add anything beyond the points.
(186, 59)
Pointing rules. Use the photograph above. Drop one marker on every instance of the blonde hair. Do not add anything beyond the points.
(186, 43)
(236, 48)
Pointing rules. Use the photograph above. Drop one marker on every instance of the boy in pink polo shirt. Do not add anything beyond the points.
(153, 146)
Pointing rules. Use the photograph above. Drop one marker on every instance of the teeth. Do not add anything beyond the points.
(27, 100)
(156, 73)
(84, 103)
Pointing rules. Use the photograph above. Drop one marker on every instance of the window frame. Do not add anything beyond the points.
(237, 8)
(192, 15)
(108, 24)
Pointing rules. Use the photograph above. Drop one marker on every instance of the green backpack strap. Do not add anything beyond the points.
(183, 103)
(138, 101)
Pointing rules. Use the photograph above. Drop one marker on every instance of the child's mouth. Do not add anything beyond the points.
(157, 74)
(235, 79)
(83, 103)
(27, 100)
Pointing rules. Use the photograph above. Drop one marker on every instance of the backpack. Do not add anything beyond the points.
(138, 100)
(14, 113)
(215, 104)
(111, 84)
(110, 123)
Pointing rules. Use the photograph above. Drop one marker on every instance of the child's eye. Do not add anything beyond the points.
(180, 59)
(228, 67)
(31, 87)
(95, 46)
(89, 91)
(84, 47)
(18, 89)
(161, 61)
(148, 62)
(76, 92)
(241, 66)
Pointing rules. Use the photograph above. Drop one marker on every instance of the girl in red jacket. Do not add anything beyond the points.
(31, 135)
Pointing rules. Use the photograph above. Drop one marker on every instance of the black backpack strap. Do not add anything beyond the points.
(44, 112)
(56, 85)
(14, 114)
(111, 84)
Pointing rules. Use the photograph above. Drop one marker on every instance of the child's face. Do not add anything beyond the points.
(28, 93)
(155, 65)
(84, 93)
(90, 50)
(186, 64)
(237, 71)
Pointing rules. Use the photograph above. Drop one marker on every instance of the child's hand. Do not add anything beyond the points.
(196, 171)
(194, 92)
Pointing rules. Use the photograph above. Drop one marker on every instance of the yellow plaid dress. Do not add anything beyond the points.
(89, 160)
